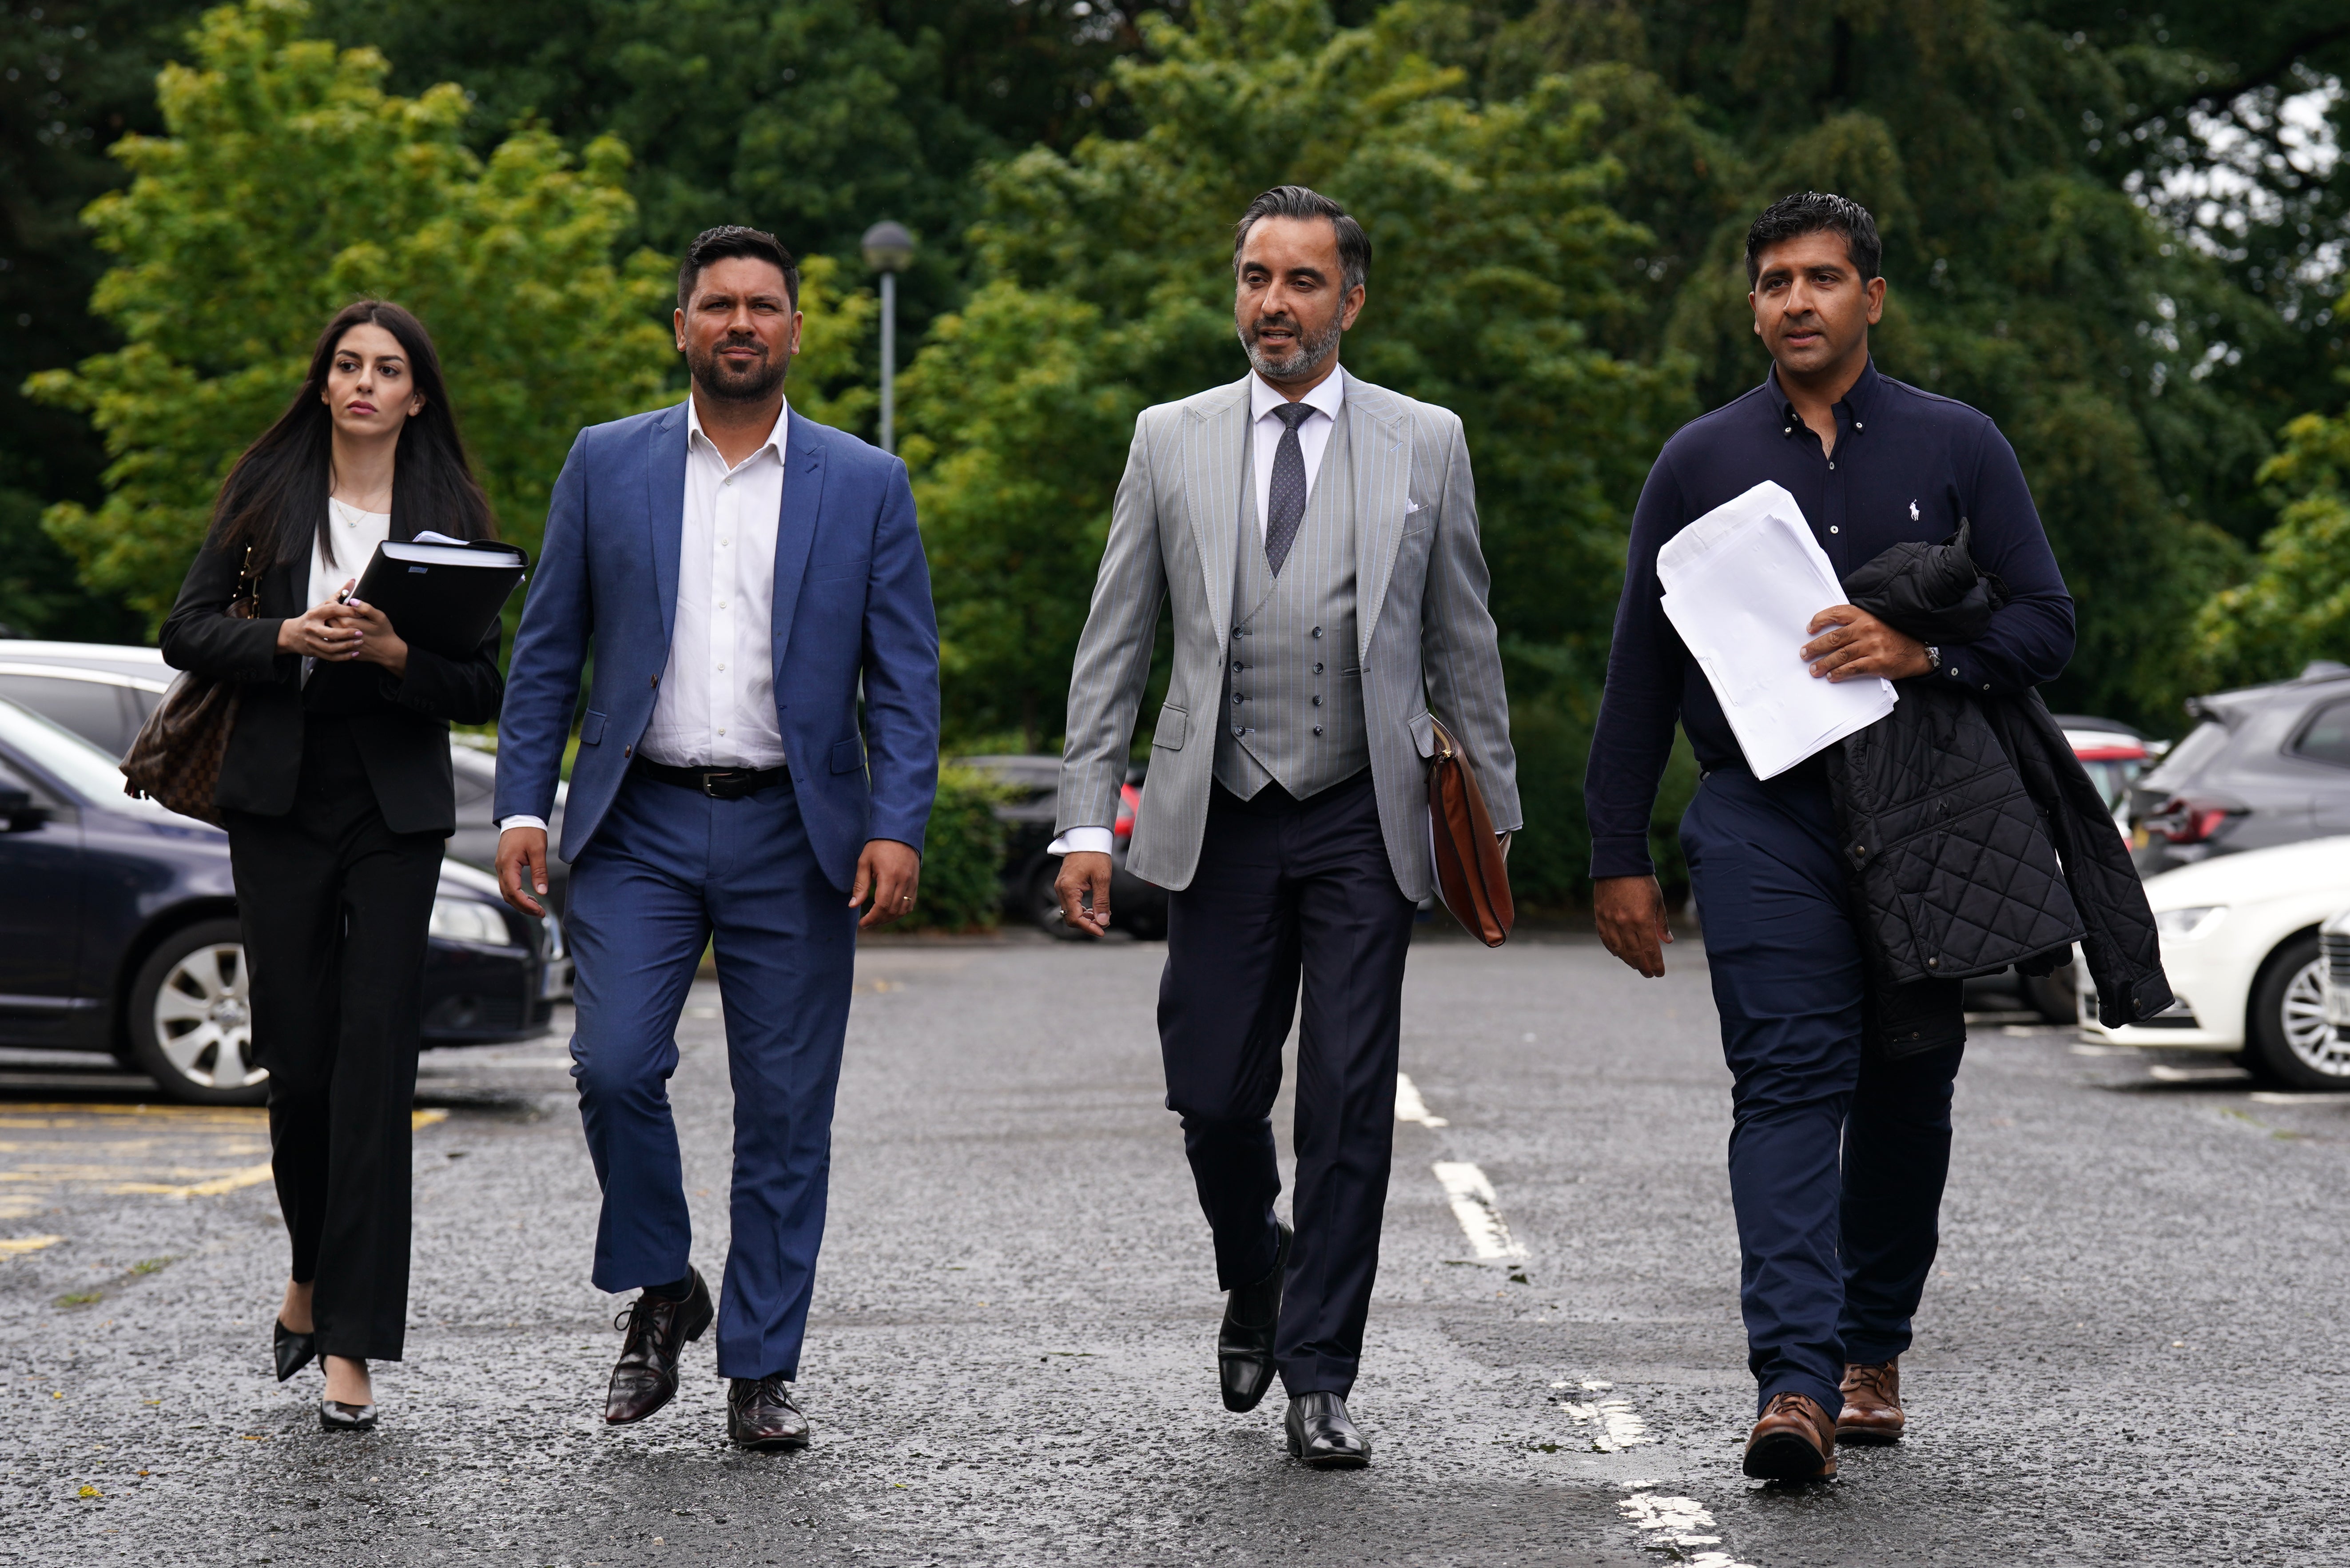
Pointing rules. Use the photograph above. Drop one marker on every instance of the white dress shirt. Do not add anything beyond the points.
(1312, 440)
(356, 535)
(716, 705)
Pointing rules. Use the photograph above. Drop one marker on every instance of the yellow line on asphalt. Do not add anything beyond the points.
(16, 1246)
(251, 1176)
(226, 1113)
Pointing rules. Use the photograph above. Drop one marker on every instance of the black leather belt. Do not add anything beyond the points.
(717, 783)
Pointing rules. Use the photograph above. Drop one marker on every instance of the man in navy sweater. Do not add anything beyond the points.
(1837, 1156)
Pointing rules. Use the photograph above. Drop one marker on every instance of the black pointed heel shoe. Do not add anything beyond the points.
(294, 1351)
(334, 1416)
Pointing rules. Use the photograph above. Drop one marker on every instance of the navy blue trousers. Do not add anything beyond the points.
(669, 873)
(1290, 895)
(1837, 1156)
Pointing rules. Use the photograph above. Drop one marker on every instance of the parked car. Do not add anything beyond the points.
(118, 931)
(1135, 905)
(2266, 765)
(2114, 754)
(2240, 943)
(104, 691)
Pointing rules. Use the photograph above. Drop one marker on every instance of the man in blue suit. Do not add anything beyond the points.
(738, 571)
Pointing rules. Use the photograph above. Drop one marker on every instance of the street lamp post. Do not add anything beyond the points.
(889, 249)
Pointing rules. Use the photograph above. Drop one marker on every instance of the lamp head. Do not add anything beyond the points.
(888, 247)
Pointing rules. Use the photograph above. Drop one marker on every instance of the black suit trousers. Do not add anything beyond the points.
(1290, 895)
(336, 909)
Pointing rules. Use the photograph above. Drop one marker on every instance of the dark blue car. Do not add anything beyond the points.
(118, 931)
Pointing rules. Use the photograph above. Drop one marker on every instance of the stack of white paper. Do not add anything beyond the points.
(1742, 585)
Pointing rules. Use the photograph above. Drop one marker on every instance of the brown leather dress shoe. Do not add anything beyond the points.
(645, 1377)
(1872, 1404)
(1793, 1441)
(761, 1413)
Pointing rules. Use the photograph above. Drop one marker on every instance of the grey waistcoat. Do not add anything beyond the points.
(1293, 701)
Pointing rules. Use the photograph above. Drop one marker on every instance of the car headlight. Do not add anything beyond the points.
(464, 921)
(2189, 923)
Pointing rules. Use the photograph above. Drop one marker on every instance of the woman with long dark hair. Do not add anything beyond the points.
(336, 791)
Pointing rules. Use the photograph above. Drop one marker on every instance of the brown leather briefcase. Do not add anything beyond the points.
(1470, 875)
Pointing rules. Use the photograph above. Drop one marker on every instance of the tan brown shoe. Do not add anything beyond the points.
(1872, 1404)
(1793, 1441)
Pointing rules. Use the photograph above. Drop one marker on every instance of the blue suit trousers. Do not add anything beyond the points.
(1838, 1155)
(669, 873)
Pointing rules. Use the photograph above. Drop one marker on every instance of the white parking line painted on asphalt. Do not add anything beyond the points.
(1410, 1107)
(2317, 1097)
(2162, 1075)
(1479, 1211)
(1674, 1523)
(1615, 1425)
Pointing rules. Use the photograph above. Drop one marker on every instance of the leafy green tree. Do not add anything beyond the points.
(2295, 606)
(2013, 160)
(290, 182)
(75, 75)
(811, 118)
(1110, 288)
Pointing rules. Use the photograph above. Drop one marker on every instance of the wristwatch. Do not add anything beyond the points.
(1933, 657)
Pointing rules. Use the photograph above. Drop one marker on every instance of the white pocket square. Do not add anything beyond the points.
(1409, 507)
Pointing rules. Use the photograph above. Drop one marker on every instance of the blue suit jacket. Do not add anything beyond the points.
(852, 602)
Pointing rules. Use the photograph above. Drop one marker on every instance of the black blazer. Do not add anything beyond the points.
(402, 724)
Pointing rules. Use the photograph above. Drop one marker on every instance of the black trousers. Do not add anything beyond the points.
(336, 907)
(1290, 891)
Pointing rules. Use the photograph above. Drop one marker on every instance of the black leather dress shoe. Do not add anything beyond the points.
(1322, 1435)
(294, 1351)
(645, 1377)
(761, 1413)
(334, 1416)
(1244, 1343)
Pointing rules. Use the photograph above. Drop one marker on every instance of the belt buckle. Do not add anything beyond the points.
(710, 784)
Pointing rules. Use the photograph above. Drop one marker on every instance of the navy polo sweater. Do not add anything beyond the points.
(1908, 466)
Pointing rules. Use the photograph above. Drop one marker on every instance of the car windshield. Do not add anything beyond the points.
(2111, 778)
(81, 767)
(2187, 758)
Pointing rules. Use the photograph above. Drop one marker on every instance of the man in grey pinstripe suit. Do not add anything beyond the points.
(1316, 537)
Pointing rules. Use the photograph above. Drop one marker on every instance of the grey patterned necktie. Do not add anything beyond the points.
(1284, 502)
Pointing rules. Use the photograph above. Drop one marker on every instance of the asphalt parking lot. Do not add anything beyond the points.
(2130, 1352)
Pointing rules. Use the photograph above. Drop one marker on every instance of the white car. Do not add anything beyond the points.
(2240, 943)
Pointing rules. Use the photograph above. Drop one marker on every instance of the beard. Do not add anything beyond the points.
(721, 380)
(1312, 350)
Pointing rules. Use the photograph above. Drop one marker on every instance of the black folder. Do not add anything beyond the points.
(441, 598)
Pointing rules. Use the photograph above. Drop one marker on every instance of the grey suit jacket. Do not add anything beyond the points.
(1426, 642)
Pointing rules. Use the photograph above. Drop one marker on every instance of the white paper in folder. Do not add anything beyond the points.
(1741, 585)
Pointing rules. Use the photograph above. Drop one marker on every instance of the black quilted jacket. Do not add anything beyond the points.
(1974, 838)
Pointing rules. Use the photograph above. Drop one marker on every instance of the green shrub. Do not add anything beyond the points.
(963, 855)
(1550, 861)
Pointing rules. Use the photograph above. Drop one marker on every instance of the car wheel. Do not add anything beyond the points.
(2052, 995)
(190, 1018)
(2290, 1040)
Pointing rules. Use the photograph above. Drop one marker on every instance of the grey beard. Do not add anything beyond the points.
(1311, 354)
